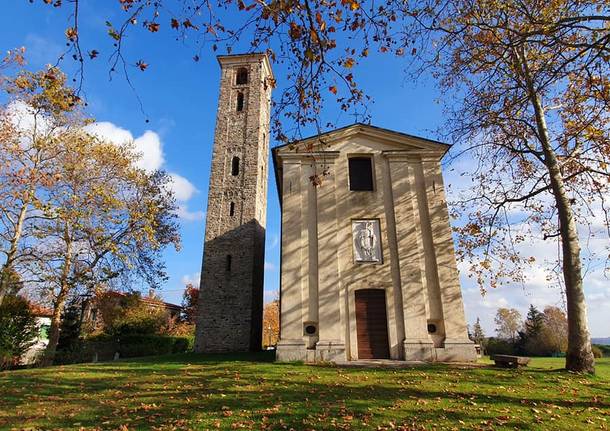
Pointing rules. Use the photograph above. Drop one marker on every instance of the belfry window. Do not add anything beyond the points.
(242, 76)
(240, 101)
(360, 174)
(229, 258)
(235, 166)
(232, 209)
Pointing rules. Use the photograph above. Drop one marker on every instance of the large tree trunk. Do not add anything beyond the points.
(579, 356)
(58, 305)
(12, 252)
(58, 308)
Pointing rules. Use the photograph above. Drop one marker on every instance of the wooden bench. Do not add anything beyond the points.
(510, 361)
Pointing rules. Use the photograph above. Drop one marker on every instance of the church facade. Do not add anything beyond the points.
(368, 267)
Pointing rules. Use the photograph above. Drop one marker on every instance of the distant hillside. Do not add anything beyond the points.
(603, 341)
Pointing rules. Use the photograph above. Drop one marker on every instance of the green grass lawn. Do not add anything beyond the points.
(250, 392)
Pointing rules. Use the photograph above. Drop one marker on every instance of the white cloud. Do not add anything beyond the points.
(183, 189)
(270, 266)
(150, 149)
(185, 214)
(111, 132)
(147, 146)
(192, 279)
(23, 118)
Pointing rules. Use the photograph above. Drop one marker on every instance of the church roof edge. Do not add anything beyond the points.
(359, 127)
(342, 132)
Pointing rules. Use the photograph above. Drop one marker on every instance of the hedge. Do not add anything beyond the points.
(131, 346)
(103, 347)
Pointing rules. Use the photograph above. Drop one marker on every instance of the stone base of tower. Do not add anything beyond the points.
(224, 345)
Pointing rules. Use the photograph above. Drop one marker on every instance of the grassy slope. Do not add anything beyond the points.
(195, 392)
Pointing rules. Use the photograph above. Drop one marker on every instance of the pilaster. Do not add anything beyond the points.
(417, 343)
(331, 345)
(291, 346)
(456, 334)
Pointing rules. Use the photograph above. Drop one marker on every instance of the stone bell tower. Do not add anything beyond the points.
(231, 289)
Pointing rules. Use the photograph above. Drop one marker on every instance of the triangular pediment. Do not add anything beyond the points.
(376, 138)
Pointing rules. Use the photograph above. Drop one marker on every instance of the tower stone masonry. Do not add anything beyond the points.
(231, 288)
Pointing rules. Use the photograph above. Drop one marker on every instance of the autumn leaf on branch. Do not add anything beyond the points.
(71, 33)
(153, 27)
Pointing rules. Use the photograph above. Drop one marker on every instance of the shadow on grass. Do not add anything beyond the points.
(189, 391)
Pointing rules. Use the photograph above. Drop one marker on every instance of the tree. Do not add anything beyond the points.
(533, 322)
(478, 336)
(271, 323)
(305, 36)
(532, 81)
(97, 216)
(108, 220)
(530, 338)
(508, 322)
(40, 113)
(554, 330)
(18, 330)
(71, 330)
(189, 304)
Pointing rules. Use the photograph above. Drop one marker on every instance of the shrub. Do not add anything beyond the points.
(605, 349)
(139, 320)
(148, 345)
(176, 328)
(103, 347)
(18, 330)
(597, 352)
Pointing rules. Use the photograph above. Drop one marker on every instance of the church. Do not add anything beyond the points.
(368, 268)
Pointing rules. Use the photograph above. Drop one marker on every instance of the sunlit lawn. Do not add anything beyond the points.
(249, 392)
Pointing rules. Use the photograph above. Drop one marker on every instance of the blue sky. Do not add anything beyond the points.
(179, 98)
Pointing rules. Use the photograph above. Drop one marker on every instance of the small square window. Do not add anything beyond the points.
(360, 174)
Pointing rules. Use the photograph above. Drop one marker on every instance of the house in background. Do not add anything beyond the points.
(92, 317)
(43, 319)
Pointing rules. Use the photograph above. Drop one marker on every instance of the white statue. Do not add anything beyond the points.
(366, 241)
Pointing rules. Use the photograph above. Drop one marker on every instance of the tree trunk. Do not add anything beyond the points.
(12, 252)
(58, 305)
(579, 357)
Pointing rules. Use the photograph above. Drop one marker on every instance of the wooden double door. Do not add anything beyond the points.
(372, 324)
